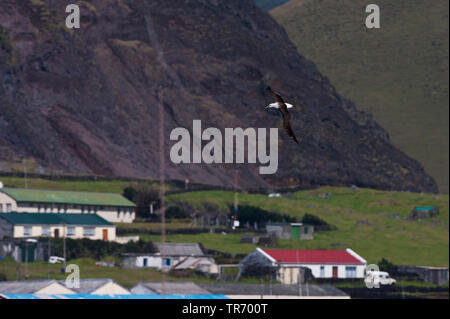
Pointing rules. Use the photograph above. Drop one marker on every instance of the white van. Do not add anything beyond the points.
(376, 278)
(55, 260)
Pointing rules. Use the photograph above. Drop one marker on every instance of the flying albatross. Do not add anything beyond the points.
(283, 107)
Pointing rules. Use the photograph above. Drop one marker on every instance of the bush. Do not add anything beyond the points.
(386, 265)
(129, 193)
(2, 277)
(175, 212)
(97, 249)
(143, 198)
(317, 222)
(253, 214)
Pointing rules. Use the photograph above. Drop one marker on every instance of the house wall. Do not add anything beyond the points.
(6, 229)
(36, 231)
(328, 270)
(110, 288)
(4, 201)
(133, 262)
(55, 289)
(309, 235)
(113, 214)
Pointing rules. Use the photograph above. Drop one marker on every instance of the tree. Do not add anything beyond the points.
(129, 193)
(144, 197)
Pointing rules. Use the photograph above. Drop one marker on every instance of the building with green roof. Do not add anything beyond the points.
(110, 206)
(76, 226)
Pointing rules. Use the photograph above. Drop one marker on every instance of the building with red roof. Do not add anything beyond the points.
(288, 264)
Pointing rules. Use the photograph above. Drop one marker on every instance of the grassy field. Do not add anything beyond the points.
(399, 73)
(125, 277)
(105, 186)
(370, 222)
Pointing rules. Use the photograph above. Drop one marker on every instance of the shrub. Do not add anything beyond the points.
(176, 212)
(317, 222)
(97, 249)
(253, 214)
(129, 193)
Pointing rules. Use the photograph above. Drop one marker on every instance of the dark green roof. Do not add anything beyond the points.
(67, 197)
(425, 208)
(54, 219)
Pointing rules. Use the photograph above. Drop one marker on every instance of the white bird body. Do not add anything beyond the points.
(276, 106)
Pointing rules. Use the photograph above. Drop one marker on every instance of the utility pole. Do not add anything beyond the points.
(49, 254)
(162, 190)
(25, 172)
(236, 204)
(64, 245)
(26, 260)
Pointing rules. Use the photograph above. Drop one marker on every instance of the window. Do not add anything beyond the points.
(167, 262)
(8, 208)
(45, 231)
(70, 231)
(27, 231)
(145, 262)
(1, 208)
(322, 271)
(350, 272)
(88, 231)
(306, 230)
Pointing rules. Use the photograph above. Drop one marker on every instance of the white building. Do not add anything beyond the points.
(75, 226)
(113, 207)
(173, 256)
(322, 263)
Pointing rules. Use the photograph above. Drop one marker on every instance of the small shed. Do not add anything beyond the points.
(296, 231)
(423, 212)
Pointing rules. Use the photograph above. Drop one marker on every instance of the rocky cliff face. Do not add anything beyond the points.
(85, 100)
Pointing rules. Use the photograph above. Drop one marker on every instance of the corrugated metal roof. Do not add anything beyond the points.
(54, 219)
(180, 249)
(67, 197)
(274, 289)
(87, 286)
(24, 287)
(85, 296)
(312, 256)
(174, 288)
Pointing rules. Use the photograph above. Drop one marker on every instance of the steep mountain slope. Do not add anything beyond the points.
(269, 4)
(398, 73)
(86, 101)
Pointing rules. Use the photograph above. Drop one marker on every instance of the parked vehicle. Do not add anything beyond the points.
(55, 260)
(377, 278)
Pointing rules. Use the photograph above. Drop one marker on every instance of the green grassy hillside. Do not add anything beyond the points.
(398, 73)
(370, 222)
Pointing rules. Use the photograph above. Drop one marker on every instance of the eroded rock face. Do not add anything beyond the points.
(85, 101)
